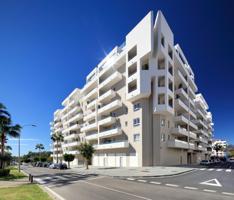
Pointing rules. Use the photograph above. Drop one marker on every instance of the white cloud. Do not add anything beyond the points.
(23, 139)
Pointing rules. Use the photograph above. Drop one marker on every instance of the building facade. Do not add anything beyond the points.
(140, 106)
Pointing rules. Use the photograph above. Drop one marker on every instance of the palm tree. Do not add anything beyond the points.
(6, 129)
(218, 147)
(40, 147)
(86, 151)
(57, 138)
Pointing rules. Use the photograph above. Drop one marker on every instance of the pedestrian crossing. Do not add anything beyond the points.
(217, 170)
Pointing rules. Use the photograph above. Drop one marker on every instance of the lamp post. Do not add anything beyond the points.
(32, 125)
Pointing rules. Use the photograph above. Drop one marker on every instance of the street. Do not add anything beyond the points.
(207, 183)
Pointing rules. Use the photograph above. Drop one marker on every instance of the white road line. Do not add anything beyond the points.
(143, 181)
(205, 190)
(54, 193)
(172, 185)
(228, 193)
(119, 191)
(210, 169)
(228, 170)
(39, 180)
(202, 169)
(156, 183)
(219, 170)
(131, 179)
(190, 188)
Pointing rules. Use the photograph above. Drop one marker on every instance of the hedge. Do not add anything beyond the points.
(4, 172)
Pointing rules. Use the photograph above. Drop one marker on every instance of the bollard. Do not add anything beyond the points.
(31, 179)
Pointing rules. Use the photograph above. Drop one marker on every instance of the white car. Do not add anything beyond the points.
(205, 162)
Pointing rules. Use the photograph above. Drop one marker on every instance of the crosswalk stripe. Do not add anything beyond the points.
(131, 179)
(219, 170)
(156, 183)
(143, 181)
(202, 169)
(228, 170)
(210, 169)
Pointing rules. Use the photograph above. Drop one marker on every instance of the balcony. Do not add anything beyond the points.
(111, 80)
(183, 120)
(201, 148)
(203, 140)
(182, 93)
(89, 127)
(91, 105)
(200, 123)
(91, 95)
(71, 112)
(74, 152)
(71, 128)
(92, 137)
(107, 121)
(112, 145)
(110, 107)
(183, 132)
(202, 132)
(90, 85)
(71, 144)
(90, 116)
(182, 78)
(174, 143)
(74, 118)
(71, 136)
(107, 96)
(181, 105)
(110, 133)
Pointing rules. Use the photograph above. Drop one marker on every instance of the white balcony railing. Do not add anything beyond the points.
(111, 80)
(112, 145)
(90, 116)
(92, 94)
(110, 133)
(107, 96)
(92, 137)
(71, 144)
(174, 143)
(107, 121)
(89, 127)
(110, 107)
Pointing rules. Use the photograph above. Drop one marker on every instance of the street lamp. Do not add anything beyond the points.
(32, 125)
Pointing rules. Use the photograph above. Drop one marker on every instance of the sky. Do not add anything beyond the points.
(48, 47)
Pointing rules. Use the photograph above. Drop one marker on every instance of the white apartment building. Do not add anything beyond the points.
(140, 105)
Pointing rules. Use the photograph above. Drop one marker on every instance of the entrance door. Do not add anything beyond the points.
(189, 158)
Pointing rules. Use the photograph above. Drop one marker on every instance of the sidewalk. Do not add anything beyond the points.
(14, 183)
(156, 171)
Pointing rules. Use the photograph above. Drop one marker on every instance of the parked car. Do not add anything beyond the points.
(205, 162)
(58, 166)
(53, 166)
(231, 160)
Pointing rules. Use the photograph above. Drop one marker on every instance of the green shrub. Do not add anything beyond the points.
(4, 172)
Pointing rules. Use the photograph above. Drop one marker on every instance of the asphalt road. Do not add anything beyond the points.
(71, 185)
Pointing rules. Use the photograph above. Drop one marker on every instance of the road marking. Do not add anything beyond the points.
(210, 169)
(228, 170)
(119, 191)
(39, 180)
(228, 193)
(202, 169)
(54, 193)
(143, 181)
(156, 183)
(212, 182)
(205, 190)
(219, 170)
(131, 179)
(171, 185)
(190, 188)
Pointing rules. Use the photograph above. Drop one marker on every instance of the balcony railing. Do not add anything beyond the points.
(107, 121)
(112, 145)
(110, 107)
(107, 96)
(89, 127)
(92, 137)
(111, 80)
(90, 116)
(110, 133)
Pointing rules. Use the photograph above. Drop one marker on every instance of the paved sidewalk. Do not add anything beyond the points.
(14, 183)
(134, 172)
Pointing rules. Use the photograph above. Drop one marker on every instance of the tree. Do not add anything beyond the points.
(6, 129)
(39, 147)
(68, 158)
(86, 151)
(218, 147)
(57, 138)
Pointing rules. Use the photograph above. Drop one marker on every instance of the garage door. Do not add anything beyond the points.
(111, 159)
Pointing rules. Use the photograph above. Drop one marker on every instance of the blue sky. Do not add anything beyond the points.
(48, 47)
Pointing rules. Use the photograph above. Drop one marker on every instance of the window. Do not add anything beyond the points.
(136, 122)
(145, 66)
(161, 99)
(161, 63)
(136, 137)
(126, 123)
(132, 86)
(161, 81)
(132, 69)
(162, 41)
(136, 106)
(170, 68)
(132, 53)
(170, 52)
(170, 85)
(163, 121)
(163, 137)
(170, 101)
(168, 124)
